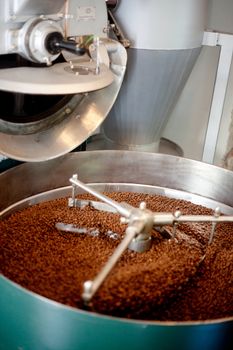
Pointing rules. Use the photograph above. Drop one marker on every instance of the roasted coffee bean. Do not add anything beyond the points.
(168, 282)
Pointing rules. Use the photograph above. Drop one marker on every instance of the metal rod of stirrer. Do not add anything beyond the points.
(120, 209)
(91, 287)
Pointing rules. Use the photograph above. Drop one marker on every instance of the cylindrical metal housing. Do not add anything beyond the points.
(166, 38)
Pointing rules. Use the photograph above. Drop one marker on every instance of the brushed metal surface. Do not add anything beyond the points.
(119, 167)
(77, 125)
(53, 80)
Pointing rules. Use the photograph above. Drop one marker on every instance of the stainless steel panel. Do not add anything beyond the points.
(170, 172)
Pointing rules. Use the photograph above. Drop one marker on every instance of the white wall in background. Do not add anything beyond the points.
(225, 137)
(220, 15)
(220, 18)
(189, 119)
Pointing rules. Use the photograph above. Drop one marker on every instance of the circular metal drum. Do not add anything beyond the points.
(29, 321)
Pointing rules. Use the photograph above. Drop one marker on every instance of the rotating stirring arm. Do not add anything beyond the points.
(140, 223)
(119, 208)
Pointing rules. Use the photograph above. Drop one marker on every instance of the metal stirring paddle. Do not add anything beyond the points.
(138, 233)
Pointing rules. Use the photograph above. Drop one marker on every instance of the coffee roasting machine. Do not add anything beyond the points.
(56, 60)
(67, 69)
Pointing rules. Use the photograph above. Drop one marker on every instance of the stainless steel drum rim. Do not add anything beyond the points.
(119, 167)
(117, 187)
